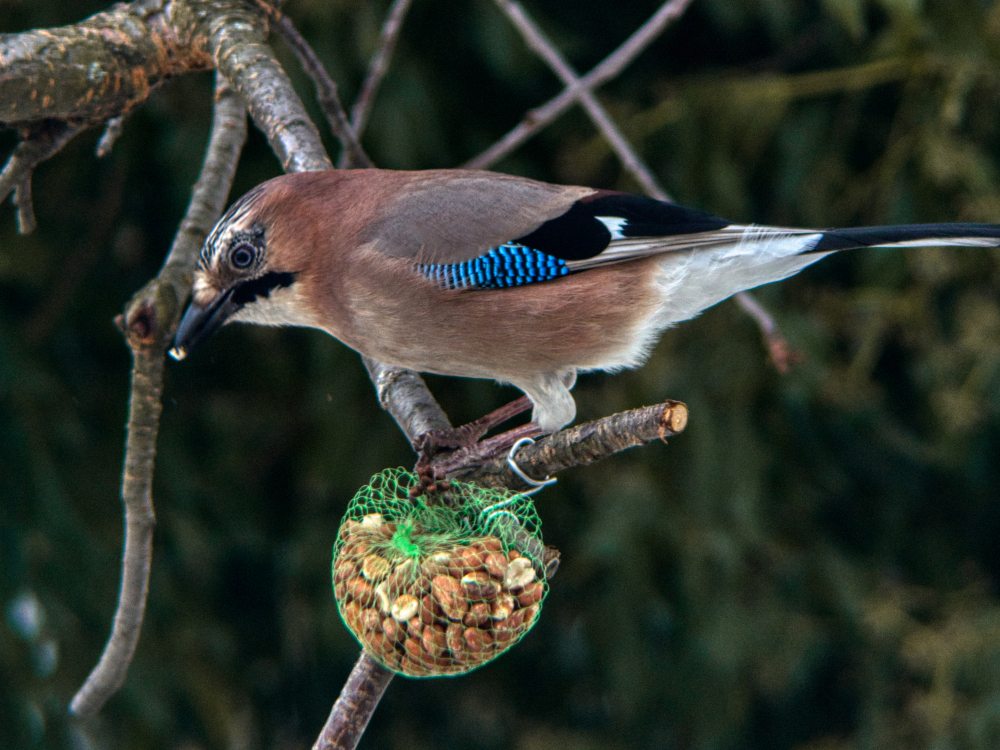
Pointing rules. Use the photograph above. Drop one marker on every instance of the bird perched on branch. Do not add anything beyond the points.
(485, 275)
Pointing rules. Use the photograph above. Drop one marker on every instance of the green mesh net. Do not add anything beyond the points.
(439, 584)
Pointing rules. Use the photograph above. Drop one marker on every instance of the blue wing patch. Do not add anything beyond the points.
(509, 265)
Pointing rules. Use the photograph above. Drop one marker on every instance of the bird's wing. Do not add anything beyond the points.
(452, 216)
(467, 229)
(454, 224)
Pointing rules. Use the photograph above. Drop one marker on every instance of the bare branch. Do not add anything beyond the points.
(575, 446)
(111, 134)
(379, 65)
(278, 112)
(326, 91)
(538, 42)
(25, 210)
(148, 323)
(240, 54)
(96, 69)
(73, 269)
(782, 356)
(355, 706)
(404, 395)
(538, 118)
(38, 143)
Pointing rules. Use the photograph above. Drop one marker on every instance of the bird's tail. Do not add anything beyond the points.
(909, 235)
(716, 269)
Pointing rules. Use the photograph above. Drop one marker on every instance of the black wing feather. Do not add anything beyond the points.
(578, 235)
(846, 239)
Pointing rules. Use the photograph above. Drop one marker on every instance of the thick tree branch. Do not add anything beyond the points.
(355, 705)
(148, 323)
(326, 93)
(575, 446)
(278, 112)
(236, 39)
(99, 68)
(406, 397)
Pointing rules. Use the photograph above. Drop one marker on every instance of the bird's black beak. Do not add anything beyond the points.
(201, 321)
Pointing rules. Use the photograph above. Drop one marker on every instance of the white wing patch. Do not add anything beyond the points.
(615, 224)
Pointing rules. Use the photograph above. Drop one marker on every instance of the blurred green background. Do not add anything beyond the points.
(813, 564)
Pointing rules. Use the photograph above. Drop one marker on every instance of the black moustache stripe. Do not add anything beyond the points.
(251, 289)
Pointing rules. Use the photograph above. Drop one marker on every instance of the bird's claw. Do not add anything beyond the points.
(444, 452)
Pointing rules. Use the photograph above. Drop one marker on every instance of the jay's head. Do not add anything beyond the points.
(247, 272)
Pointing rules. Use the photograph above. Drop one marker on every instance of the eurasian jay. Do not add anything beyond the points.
(485, 275)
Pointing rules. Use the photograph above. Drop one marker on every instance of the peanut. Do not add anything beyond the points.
(450, 595)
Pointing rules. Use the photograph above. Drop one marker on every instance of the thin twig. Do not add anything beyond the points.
(326, 90)
(148, 321)
(782, 356)
(111, 134)
(541, 45)
(613, 64)
(355, 705)
(26, 222)
(38, 143)
(104, 214)
(378, 66)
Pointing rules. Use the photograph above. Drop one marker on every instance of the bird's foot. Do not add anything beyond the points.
(433, 442)
(443, 452)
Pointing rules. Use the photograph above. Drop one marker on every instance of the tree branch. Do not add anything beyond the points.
(99, 68)
(575, 446)
(326, 93)
(148, 323)
(112, 131)
(782, 356)
(379, 65)
(39, 141)
(278, 112)
(354, 707)
(236, 39)
(612, 65)
(406, 397)
(541, 45)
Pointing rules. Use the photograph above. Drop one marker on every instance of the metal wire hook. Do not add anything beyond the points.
(537, 484)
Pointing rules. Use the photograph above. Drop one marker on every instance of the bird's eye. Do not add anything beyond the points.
(242, 256)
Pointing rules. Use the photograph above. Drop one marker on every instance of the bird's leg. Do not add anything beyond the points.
(464, 442)
(477, 452)
(466, 436)
(505, 440)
